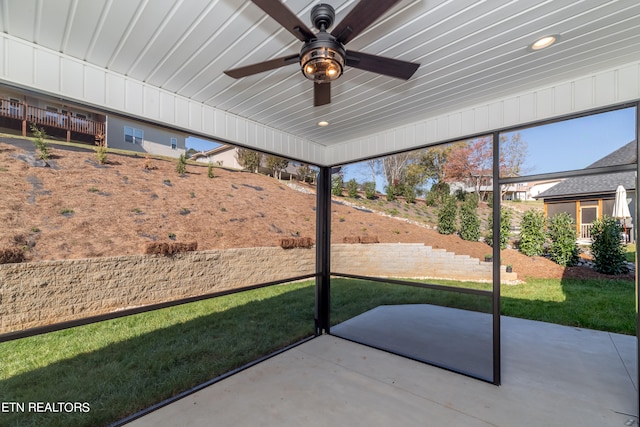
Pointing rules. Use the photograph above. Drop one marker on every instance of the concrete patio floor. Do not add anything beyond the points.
(551, 376)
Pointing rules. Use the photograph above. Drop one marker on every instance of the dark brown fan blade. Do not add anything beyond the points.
(285, 17)
(381, 65)
(321, 94)
(360, 17)
(272, 64)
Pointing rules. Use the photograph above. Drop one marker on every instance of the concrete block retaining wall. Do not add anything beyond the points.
(41, 293)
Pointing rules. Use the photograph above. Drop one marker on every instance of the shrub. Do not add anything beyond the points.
(447, 216)
(101, 154)
(505, 227)
(469, 221)
(210, 173)
(352, 188)
(392, 192)
(437, 194)
(41, 145)
(409, 193)
(561, 230)
(181, 166)
(607, 249)
(370, 190)
(532, 233)
(336, 185)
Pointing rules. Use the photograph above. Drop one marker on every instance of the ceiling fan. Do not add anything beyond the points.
(323, 55)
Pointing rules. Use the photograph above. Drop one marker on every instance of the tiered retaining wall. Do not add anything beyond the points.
(41, 293)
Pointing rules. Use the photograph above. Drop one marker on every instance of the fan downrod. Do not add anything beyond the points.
(322, 16)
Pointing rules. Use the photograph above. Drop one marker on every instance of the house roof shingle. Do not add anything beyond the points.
(598, 184)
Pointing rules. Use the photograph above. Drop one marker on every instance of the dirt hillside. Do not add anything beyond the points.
(76, 208)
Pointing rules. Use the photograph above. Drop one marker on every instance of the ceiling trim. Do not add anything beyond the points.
(33, 67)
(590, 92)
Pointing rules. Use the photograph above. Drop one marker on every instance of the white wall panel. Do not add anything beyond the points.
(27, 65)
(94, 85)
(20, 62)
(151, 102)
(115, 94)
(595, 91)
(134, 97)
(47, 70)
(72, 78)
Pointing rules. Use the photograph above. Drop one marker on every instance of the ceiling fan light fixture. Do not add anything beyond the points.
(322, 64)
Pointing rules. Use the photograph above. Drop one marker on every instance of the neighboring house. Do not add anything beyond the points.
(18, 110)
(226, 155)
(522, 191)
(588, 198)
(128, 134)
(72, 123)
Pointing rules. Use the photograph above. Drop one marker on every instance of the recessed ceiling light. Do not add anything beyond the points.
(544, 42)
(323, 123)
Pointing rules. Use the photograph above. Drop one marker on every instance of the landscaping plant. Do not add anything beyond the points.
(41, 144)
(447, 216)
(505, 227)
(532, 233)
(336, 185)
(181, 166)
(607, 248)
(469, 220)
(352, 188)
(370, 190)
(561, 230)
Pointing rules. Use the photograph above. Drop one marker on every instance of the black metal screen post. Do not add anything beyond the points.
(323, 251)
(496, 258)
(635, 227)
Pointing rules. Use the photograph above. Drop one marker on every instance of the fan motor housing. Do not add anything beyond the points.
(322, 16)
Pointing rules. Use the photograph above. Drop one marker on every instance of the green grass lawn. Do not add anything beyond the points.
(124, 365)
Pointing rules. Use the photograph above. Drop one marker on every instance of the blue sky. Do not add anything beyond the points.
(562, 146)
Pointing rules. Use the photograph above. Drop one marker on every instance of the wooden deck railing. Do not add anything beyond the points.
(30, 114)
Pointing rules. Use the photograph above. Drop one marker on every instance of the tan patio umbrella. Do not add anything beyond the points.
(620, 207)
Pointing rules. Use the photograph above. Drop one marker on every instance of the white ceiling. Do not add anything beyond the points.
(471, 51)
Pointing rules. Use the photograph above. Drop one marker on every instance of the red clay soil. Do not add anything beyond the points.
(76, 208)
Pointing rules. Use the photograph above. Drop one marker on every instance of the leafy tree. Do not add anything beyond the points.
(434, 160)
(532, 233)
(447, 216)
(304, 172)
(561, 230)
(437, 194)
(249, 159)
(352, 188)
(469, 220)
(276, 165)
(336, 185)
(181, 165)
(471, 163)
(191, 152)
(607, 248)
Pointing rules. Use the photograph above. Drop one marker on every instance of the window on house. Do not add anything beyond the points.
(133, 136)
(174, 143)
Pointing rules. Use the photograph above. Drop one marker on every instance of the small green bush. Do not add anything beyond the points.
(532, 233)
(101, 154)
(505, 227)
(210, 173)
(447, 216)
(336, 185)
(561, 230)
(352, 188)
(370, 190)
(392, 191)
(607, 249)
(409, 193)
(437, 194)
(181, 166)
(469, 220)
(41, 145)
